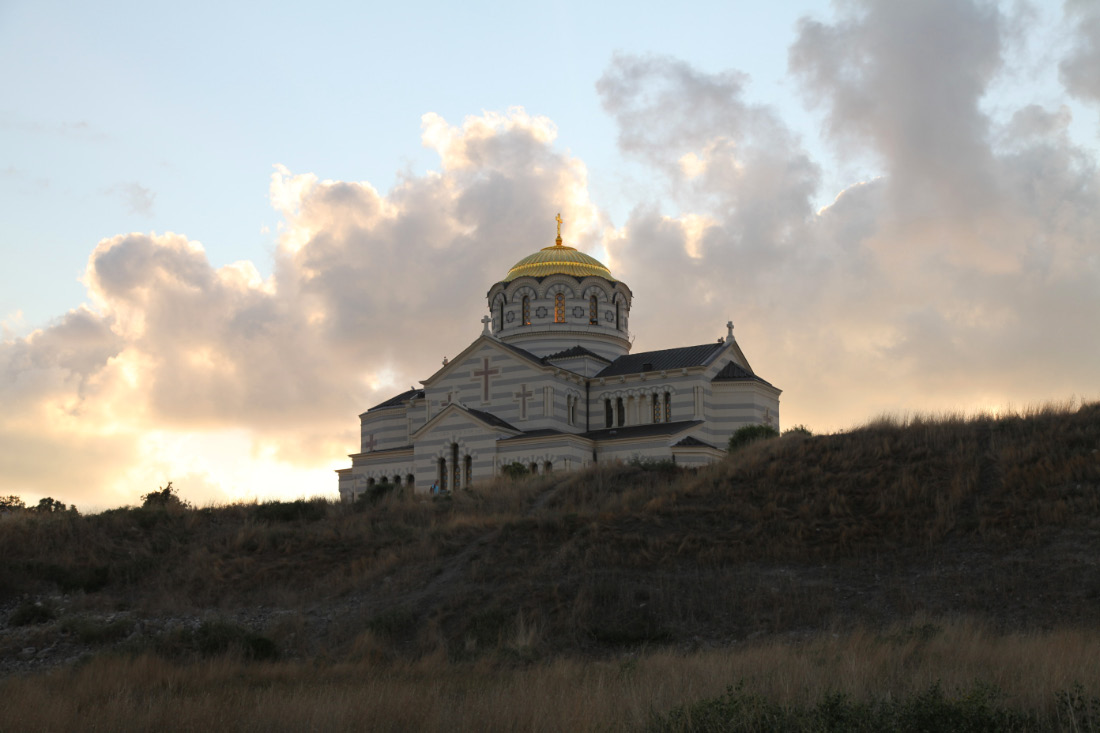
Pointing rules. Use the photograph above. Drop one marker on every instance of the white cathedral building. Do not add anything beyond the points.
(551, 384)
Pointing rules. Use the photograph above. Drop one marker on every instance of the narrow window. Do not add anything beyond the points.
(608, 417)
(656, 408)
(501, 313)
(454, 464)
(559, 308)
(593, 310)
(668, 407)
(617, 316)
(469, 470)
(409, 480)
(621, 410)
(526, 311)
(548, 467)
(442, 474)
(534, 468)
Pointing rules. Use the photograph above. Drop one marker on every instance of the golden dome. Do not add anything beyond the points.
(558, 260)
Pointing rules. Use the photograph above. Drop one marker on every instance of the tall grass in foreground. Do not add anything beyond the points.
(907, 665)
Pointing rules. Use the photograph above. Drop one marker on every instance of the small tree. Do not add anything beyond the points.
(751, 434)
(49, 505)
(11, 503)
(799, 430)
(163, 498)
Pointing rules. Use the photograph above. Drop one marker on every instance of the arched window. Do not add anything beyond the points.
(469, 470)
(548, 467)
(608, 416)
(534, 467)
(621, 410)
(617, 315)
(526, 311)
(656, 408)
(668, 407)
(501, 313)
(442, 478)
(573, 412)
(593, 310)
(559, 308)
(409, 480)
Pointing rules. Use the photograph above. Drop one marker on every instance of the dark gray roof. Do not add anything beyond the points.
(541, 433)
(734, 372)
(656, 361)
(398, 400)
(642, 431)
(490, 418)
(574, 352)
(691, 441)
(383, 451)
(521, 352)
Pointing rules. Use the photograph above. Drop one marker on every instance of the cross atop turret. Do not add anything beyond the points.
(729, 335)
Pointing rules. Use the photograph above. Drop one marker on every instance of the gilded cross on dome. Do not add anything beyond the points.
(558, 219)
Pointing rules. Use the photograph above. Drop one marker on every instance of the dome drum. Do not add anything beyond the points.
(559, 297)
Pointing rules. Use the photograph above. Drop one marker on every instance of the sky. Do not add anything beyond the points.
(226, 229)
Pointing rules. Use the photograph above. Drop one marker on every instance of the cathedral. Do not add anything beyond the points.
(551, 384)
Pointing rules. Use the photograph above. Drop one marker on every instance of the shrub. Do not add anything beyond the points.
(799, 430)
(49, 505)
(750, 434)
(32, 613)
(514, 470)
(163, 498)
(374, 493)
(659, 465)
(11, 503)
(288, 511)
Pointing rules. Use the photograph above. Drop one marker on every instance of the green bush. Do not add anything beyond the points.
(664, 466)
(799, 430)
(30, 613)
(217, 638)
(374, 493)
(514, 470)
(750, 434)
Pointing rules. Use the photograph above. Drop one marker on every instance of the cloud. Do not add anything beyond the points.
(958, 278)
(137, 198)
(1080, 70)
(369, 292)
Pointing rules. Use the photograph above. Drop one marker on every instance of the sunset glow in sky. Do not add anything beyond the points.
(228, 229)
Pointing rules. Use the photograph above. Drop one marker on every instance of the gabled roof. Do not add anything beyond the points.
(398, 400)
(575, 352)
(491, 419)
(483, 339)
(734, 372)
(487, 419)
(642, 431)
(656, 361)
(691, 442)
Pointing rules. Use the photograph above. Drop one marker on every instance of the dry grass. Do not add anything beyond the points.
(624, 693)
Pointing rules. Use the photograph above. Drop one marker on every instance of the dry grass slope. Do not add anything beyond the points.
(784, 543)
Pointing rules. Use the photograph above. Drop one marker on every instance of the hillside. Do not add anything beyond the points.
(997, 519)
